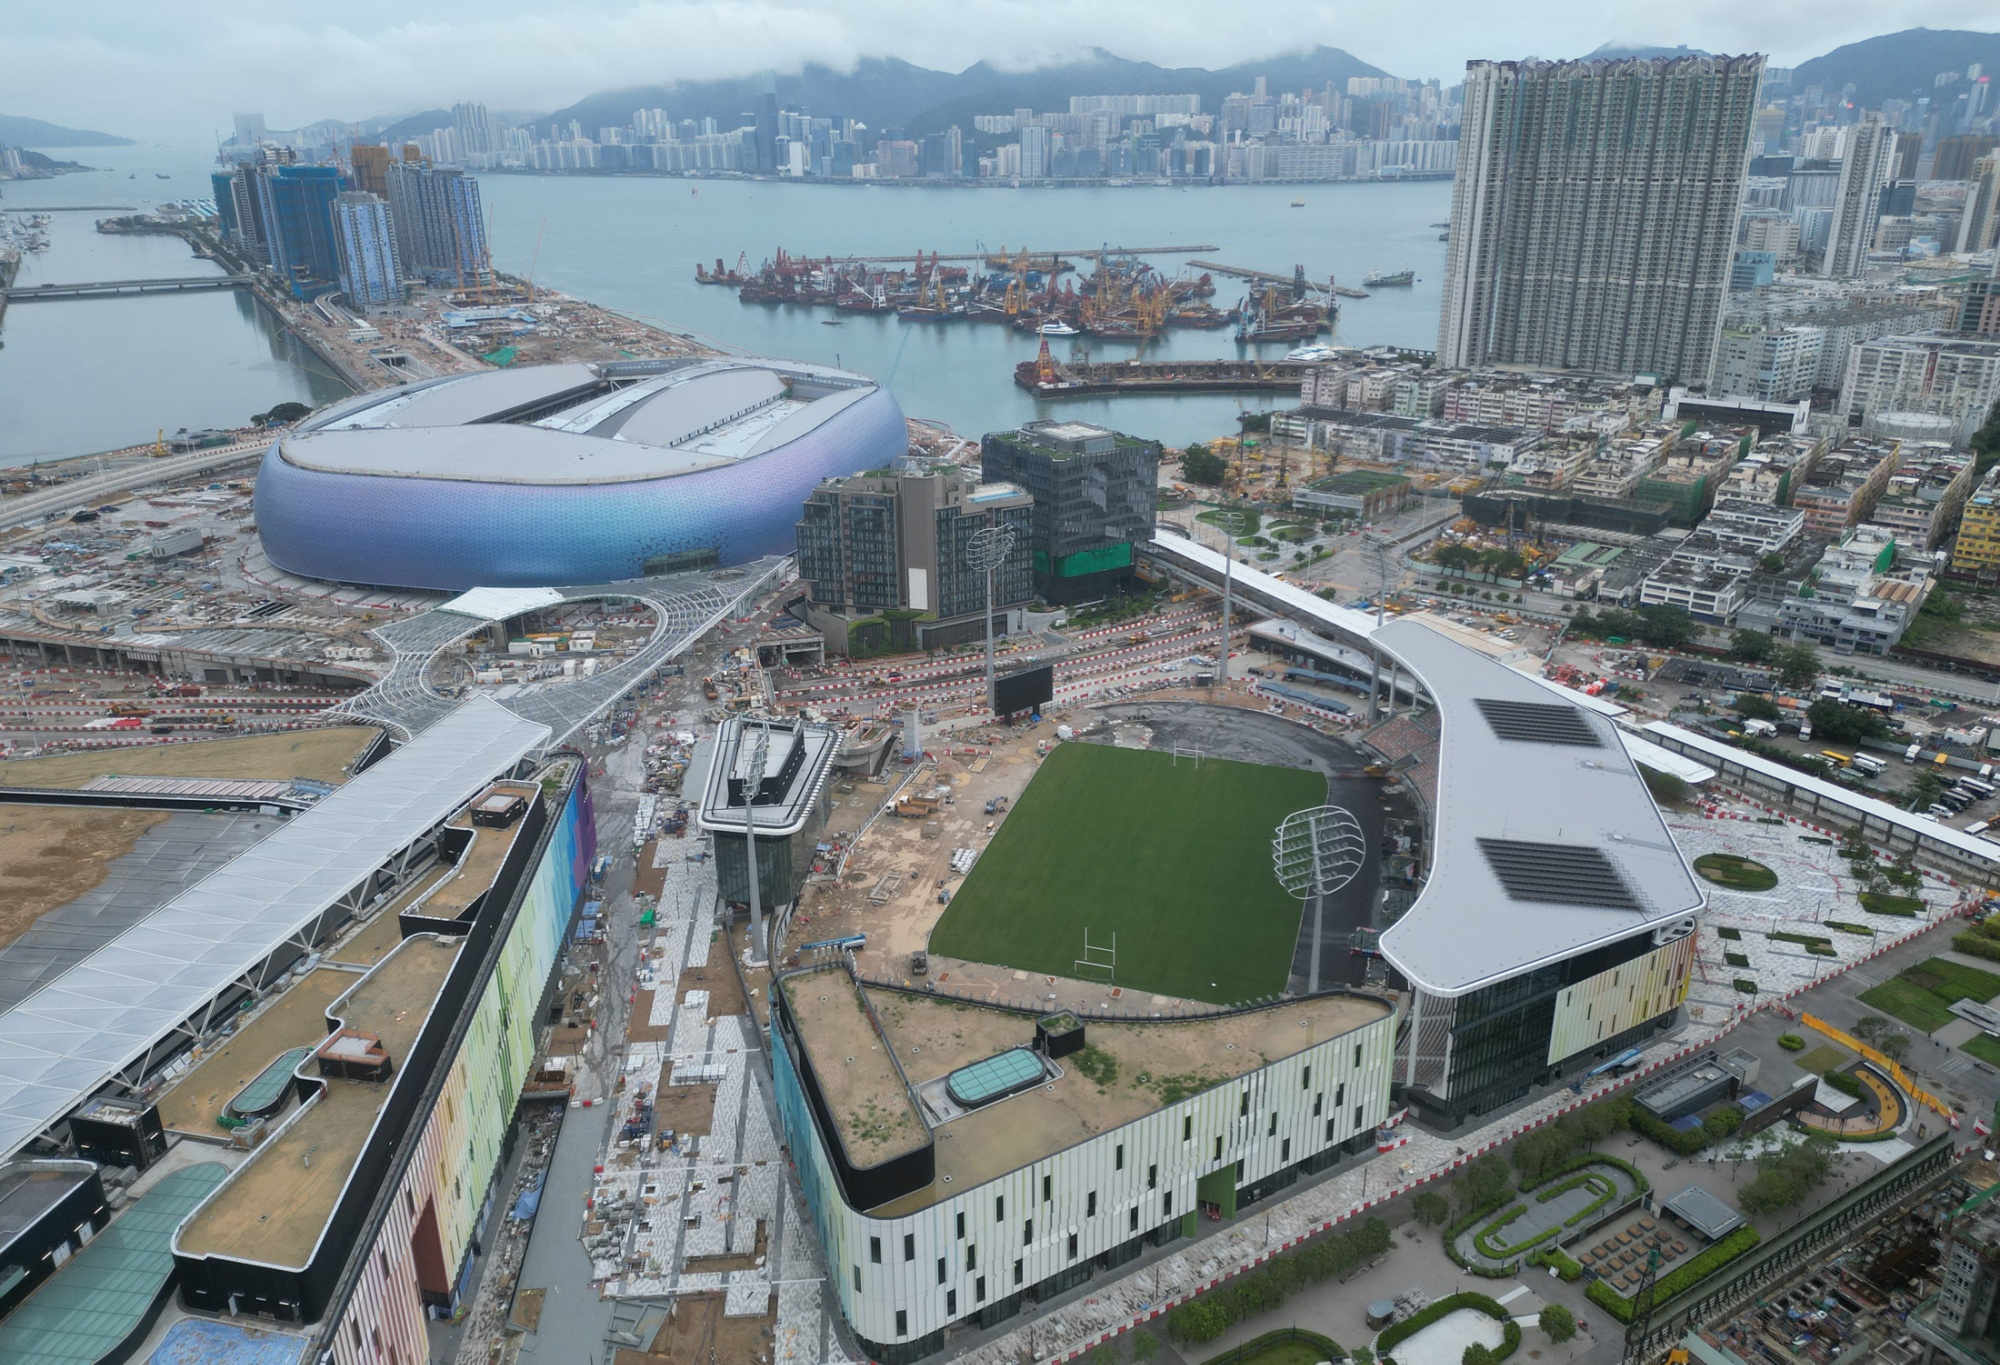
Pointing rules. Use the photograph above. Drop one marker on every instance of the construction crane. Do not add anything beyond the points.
(536, 258)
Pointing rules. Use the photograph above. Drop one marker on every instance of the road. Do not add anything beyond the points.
(32, 508)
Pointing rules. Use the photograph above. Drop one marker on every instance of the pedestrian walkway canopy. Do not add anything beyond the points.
(66, 1041)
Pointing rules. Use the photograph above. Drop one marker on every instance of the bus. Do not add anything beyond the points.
(1839, 760)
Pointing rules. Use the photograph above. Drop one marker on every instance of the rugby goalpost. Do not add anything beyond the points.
(1182, 751)
(1097, 958)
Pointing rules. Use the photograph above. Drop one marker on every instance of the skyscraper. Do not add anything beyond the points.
(1594, 211)
(371, 168)
(365, 237)
(1864, 166)
(1980, 227)
(476, 134)
(440, 228)
(298, 225)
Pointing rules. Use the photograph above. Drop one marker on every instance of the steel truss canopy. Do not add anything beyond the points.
(65, 1042)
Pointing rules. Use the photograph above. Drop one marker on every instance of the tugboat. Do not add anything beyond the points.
(1379, 278)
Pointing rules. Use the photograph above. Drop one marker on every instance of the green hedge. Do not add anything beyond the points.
(1978, 945)
(1257, 1291)
(1882, 903)
(1791, 1042)
(1842, 1082)
(1326, 1347)
(1397, 1333)
(1677, 1281)
(1568, 1270)
(1584, 1160)
(1668, 1136)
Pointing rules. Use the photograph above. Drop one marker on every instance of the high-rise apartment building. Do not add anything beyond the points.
(371, 168)
(1956, 155)
(365, 237)
(1864, 168)
(298, 225)
(1979, 228)
(1928, 387)
(475, 132)
(440, 228)
(1594, 211)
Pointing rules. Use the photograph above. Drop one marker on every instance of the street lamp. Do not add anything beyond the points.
(1315, 853)
(985, 551)
(1378, 549)
(1230, 521)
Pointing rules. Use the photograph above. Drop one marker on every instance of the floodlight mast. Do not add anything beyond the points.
(1315, 853)
(985, 552)
(1229, 520)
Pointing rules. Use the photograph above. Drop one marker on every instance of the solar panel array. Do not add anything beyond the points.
(1538, 722)
(1565, 874)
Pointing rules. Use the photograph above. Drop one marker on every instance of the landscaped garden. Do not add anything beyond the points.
(1922, 996)
(1735, 873)
(1574, 1196)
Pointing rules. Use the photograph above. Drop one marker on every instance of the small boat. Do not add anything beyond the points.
(829, 322)
(1056, 327)
(1298, 203)
(161, 175)
(1378, 278)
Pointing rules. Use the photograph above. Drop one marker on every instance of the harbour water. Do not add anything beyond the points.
(83, 376)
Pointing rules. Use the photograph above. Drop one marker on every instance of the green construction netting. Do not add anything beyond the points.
(87, 1309)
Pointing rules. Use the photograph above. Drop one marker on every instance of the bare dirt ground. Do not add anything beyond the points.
(50, 855)
(321, 755)
(698, 1334)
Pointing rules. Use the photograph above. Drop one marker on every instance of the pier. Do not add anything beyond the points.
(1160, 376)
(1293, 280)
(107, 289)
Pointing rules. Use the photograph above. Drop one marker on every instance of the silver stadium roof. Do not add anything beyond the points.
(1545, 842)
(62, 1044)
(574, 423)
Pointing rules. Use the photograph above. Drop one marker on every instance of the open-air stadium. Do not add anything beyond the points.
(1167, 856)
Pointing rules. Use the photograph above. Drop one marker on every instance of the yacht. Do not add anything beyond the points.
(1311, 354)
(1056, 327)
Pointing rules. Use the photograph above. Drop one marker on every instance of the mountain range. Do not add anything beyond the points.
(33, 132)
(887, 92)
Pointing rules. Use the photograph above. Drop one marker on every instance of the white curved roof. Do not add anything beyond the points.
(574, 423)
(1545, 842)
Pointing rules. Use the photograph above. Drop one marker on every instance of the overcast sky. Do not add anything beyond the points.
(170, 70)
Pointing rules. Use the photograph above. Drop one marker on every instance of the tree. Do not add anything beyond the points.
(1476, 1354)
(1869, 1027)
(282, 414)
(1787, 1174)
(1757, 706)
(1482, 1182)
(1668, 788)
(1797, 665)
(1836, 720)
(1751, 646)
(1894, 1046)
(1430, 1208)
(1144, 1346)
(1924, 789)
(1361, 1355)
(1772, 563)
(1557, 1323)
(1201, 465)
(1665, 627)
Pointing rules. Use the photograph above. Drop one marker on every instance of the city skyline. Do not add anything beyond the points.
(124, 70)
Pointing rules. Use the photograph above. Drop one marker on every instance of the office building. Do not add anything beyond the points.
(440, 226)
(1594, 213)
(1864, 168)
(886, 560)
(1095, 493)
(1549, 934)
(784, 803)
(365, 238)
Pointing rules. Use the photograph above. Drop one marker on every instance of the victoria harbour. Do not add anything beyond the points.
(630, 244)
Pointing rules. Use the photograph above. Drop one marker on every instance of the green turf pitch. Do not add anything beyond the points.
(1173, 858)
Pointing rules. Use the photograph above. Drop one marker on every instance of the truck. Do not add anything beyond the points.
(1869, 764)
(1763, 729)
